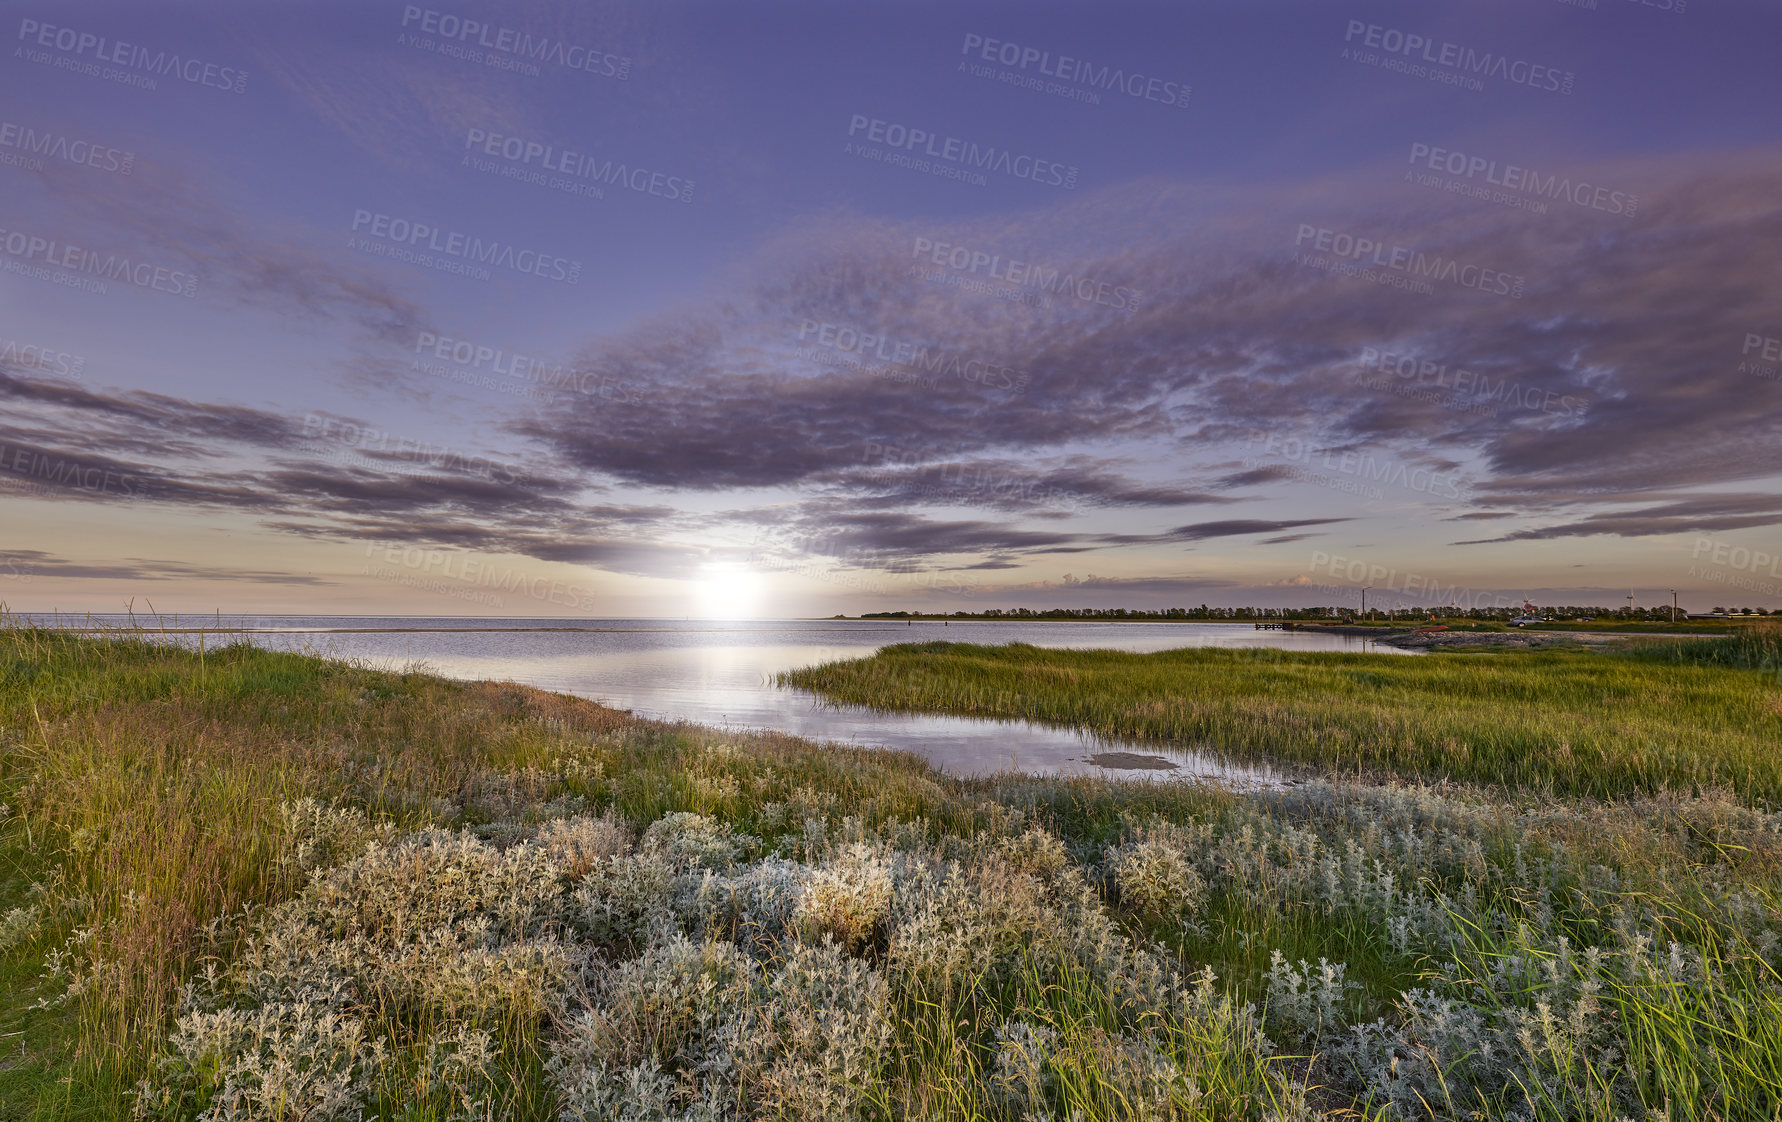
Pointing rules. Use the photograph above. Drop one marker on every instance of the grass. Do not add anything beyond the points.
(1661, 627)
(261, 885)
(1673, 715)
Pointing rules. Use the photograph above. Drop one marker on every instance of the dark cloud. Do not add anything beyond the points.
(880, 538)
(1227, 528)
(1615, 368)
(324, 477)
(1037, 485)
(139, 421)
(37, 563)
(1256, 475)
(1691, 512)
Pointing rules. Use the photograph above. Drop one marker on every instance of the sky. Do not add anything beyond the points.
(652, 309)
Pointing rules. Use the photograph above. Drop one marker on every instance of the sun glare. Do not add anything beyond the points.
(727, 590)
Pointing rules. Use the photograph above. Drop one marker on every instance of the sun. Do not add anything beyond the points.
(727, 590)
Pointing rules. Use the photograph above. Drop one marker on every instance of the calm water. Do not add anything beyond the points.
(721, 673)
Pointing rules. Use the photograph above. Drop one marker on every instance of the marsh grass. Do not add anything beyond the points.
(1753, 647)
(1689, 715)
(257, 885)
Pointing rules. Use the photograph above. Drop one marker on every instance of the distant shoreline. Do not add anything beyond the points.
(1380, 629)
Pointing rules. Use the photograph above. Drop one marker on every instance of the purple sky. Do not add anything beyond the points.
(598, 309)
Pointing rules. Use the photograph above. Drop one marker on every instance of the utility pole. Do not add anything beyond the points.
(1673, 606)
(1364, 598)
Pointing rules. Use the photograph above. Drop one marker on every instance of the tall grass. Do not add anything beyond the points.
(146, 785)
(1689, 716)
(269, 886)
(1754, 647)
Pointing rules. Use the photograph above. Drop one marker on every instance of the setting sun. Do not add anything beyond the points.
(726, 590)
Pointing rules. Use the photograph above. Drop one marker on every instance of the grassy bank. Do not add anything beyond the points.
(1681, 626)
(1676, 715)
(253, 885)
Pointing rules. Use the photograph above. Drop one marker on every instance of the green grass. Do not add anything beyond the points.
(1627, 627)
(145, 788)
(1676, 716)
(144, 783)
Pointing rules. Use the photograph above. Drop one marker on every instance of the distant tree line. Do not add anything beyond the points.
(1553, 611)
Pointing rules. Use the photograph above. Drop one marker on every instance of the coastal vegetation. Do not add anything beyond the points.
(1564, 615)
(242, 884)
(1668, 715)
